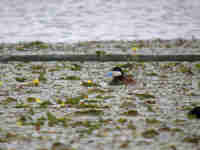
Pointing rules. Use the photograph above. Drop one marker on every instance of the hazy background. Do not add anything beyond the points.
(80, 20)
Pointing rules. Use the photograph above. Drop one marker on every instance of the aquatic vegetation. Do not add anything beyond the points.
(83, 44)
(90, 112)
(143, 96)
(128, 104)
(151, 74)
(21, 79)
(36, 82)
(150, 133)
(89, 83)
(8, 100)
(197, 66)
(97, 90)
(30, 45)
(134, 49)
(184, 69)
(120, 46)
(45, 104)
(38, 67)
(131, 126)
(74, 100)
(100, 53)
(60, 146)
(122, 120)
(125, 144)
(39, 111)
(31, 99)
(104, 97)
(22, 105)
(70, 78)
(90, 126)
(131, 113)
(89, 105)
(152, 121)
(75, 67)
(192, 139)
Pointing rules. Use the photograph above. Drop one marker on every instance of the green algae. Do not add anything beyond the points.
(74, 100)
(100, 53)
(152, 121)
(122, 120)
(184, 69)
(30, 99)
(127, 104)
(150, 133)
(144, 96)
(152, 74)
(30, 45)
(197, 66)
(45, 104)
(131, 113)
(89, 84)
(131, 126)
(89, 112)
(86, 105)
(8, 100)
(21, 79)
(53, 120)
(70, 78)
(97, 90)
(75, 67)
(192, 139)
(104, 97)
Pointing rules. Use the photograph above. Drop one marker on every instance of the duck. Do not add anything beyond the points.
(120, 78)
(195, 111)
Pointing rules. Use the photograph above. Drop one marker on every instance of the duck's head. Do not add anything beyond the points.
(119, 77)
(196, 112)
(116, 72)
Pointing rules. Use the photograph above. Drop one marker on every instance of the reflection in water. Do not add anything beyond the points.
(76, 20)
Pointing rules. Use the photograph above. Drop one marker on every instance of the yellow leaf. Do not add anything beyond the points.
(19, 123)
(134, 48)
(37, 100)
(85, 96)
(1, 83)
(62, 104)
(89, 81)
(105, 133)
(36, 82)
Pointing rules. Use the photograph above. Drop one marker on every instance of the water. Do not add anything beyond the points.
(77, 20)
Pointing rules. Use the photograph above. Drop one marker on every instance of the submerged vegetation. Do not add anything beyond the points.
(54, 105)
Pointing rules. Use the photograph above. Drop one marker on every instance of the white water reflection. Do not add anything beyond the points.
(76, 20)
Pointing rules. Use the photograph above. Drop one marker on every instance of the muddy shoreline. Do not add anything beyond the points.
(110, 47)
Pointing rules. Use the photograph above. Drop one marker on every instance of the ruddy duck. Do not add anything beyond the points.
(119, 77)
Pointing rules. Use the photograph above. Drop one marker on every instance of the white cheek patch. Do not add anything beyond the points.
(116, 73)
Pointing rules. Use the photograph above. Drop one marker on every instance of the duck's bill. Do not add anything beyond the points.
(114, 73)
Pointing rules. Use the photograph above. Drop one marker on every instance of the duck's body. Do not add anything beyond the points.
(120, 78)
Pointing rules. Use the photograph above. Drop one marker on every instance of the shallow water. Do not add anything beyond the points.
(76, 20)
(165, 113)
